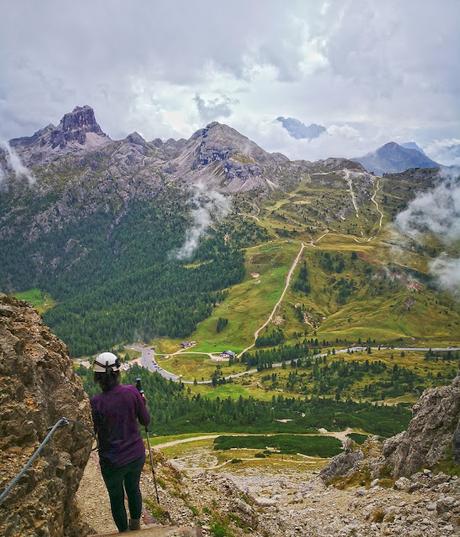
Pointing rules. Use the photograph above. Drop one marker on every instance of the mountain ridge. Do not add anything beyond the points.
(216, 154)
(394, 158)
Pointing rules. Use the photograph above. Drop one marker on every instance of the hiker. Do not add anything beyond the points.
(116, 412)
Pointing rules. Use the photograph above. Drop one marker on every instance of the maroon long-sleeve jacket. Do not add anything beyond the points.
(116, 414)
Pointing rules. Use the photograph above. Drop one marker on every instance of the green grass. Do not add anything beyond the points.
(237, 389)
(178, 450)
(358, 438)
(38, 299)
(249, 303)
(314, 446)
(195, 366)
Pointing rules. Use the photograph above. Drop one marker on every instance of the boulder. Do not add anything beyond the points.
(429, 434)
(37, 387)
(341, 464)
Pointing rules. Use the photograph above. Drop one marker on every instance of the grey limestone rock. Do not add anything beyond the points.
(341, 464)
(429, 434)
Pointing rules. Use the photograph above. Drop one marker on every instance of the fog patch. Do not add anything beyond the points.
(437, 212)
(210, 109)
(208, 206)
(16, 164)
(447, 271)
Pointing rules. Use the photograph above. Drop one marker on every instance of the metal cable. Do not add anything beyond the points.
(62, 422)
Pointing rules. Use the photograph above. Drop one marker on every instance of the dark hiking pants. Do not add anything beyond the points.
(121, 479)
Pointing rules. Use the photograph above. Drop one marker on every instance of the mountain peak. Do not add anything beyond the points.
(394, 158)
(77, 131)
(136, 138)
(81, 118)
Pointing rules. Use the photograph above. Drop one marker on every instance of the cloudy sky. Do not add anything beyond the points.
(369, 70)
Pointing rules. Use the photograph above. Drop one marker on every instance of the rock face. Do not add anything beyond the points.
(431, 431)
(75, 126)
(341, 464)
(78, 131)
(221, 156)
(456, 444)
(37, 387)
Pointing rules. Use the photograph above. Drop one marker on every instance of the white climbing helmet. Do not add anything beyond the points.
(106, 361)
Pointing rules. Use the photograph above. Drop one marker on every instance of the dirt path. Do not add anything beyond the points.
(272, 314)
(185, 441)
(93, 500)
(375, 202)
(349, 180)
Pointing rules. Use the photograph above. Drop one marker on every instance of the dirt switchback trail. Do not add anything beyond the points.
(272, 314)
(375, 202)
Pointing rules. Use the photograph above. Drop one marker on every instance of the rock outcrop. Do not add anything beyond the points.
(456, 444)
(37, 387)
(77, 131)
(432, 435)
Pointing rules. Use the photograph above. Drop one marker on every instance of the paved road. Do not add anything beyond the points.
(148, 361)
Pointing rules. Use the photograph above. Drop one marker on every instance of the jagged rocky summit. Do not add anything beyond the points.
(217, 155)
(37, 387)
(77, 131)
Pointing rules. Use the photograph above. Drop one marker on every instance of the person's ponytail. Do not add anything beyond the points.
(107, 380)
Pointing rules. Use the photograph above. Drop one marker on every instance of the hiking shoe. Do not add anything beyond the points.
(134, 523)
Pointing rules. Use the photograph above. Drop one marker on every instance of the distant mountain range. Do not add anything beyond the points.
(396, 158)
(299, 130)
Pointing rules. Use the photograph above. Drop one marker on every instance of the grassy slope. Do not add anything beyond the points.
(250, 302)
(425, 317)
(195, 366)
(38, 299)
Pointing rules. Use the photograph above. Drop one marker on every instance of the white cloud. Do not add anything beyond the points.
(389, 67)
(447, 271)
(437, 211)
(208, 206)
(16, 164)
(446, 151)
(214, 107)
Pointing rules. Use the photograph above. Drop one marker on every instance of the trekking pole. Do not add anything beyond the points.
(141, 391)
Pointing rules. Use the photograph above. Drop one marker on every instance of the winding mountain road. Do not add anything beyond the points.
(148, 361)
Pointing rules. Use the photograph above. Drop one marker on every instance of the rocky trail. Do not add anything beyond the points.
(289, 503)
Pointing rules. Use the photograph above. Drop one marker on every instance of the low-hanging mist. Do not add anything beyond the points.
(437, 211)
(16, 164)
(207, 205)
